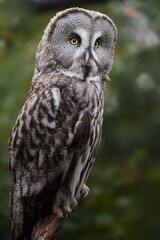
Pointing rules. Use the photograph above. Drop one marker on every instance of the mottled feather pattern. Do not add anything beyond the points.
(45, 128)
(55, 139)
(48, 130)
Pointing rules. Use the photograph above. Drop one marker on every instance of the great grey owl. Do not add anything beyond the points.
(58, 130)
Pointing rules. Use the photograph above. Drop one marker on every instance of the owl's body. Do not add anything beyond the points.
(57, 133)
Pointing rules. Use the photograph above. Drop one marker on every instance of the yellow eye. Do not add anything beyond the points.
(96, 45)
(74, 41)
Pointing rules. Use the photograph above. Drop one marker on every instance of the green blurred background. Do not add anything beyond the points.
(124, 201)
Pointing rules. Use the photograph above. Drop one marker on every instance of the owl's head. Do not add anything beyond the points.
(78, 42)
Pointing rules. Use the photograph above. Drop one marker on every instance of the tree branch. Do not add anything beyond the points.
(49, 227)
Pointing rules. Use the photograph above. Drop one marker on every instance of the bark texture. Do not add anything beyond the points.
(49, 227)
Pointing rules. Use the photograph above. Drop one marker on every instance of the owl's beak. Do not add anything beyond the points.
(86, 57)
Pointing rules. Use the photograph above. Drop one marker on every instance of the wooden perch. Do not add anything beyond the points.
(49, 227)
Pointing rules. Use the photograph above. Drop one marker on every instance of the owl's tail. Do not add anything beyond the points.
(23, 218)
(28, 212)
(16, 213)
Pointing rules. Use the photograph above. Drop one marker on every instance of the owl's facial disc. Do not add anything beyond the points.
(83, 45)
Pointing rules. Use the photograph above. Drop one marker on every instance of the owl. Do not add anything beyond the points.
(55, 139)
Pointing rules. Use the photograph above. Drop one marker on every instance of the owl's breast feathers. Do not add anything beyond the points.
(61, 115)
(60, 121)
(56, 119)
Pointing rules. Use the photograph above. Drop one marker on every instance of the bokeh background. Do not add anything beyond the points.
(124, 201)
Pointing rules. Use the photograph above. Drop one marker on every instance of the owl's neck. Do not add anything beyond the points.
(80, 75)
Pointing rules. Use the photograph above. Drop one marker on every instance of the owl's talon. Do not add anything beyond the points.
(84, 191)
(64, 201)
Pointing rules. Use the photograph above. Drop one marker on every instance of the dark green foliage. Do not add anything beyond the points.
(124, 202)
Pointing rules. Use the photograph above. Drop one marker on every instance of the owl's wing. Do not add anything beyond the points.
(49, 128)
(46, 143)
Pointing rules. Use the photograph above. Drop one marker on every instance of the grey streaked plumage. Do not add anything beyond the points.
(57, 133)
